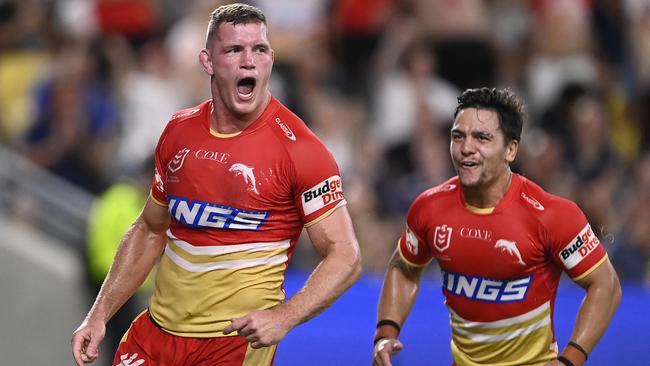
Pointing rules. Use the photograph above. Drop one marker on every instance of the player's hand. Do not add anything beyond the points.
(261, 328)
(85, 341)
(384, 349)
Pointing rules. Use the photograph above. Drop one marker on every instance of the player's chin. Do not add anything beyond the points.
(244, 107)
(469, 180)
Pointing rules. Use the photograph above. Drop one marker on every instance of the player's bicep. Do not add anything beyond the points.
(408, 269)
(334, 232)
(601, 275)
(155, 216)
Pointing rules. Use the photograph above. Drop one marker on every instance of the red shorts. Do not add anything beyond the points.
(146, 344)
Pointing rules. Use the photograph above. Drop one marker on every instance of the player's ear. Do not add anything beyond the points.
(511, 150)
(205, 59)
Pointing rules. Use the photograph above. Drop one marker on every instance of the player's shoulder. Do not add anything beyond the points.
(542, 203)
(445, 191)
(290, 129)
(185, 115)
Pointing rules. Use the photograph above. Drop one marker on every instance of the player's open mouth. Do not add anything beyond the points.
(469, 164)
(245, 88)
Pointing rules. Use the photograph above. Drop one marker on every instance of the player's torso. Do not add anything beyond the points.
(497, 260)
(239, 184)
(234, 224)
(498, 280)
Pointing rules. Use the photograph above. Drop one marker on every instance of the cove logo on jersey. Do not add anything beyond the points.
(322, 194)
(200, 214)
(578, 249)
(485, 289)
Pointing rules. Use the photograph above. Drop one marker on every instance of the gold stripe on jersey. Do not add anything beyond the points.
(156, 201)
(199, 290)
(260, 356)
(526, 339)
(329, 212)
(224, 135)
(479, 210)
(593, 268)
(399, 250)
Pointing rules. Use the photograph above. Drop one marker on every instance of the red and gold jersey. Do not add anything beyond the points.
(500, 270)
(238, 204)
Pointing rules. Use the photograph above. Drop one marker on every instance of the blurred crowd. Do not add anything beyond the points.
(86, 87)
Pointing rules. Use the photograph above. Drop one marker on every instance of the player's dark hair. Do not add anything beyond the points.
(505, 103)
(233, 13)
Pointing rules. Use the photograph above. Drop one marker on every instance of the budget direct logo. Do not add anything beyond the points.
(579, 248)
(322, 194)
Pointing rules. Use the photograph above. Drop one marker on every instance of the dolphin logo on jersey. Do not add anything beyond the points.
(511, 248)
(247, 173)
(177, 161)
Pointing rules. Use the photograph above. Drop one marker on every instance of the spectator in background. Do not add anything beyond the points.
(458, 31)
(410, 104)
(149, 96)
(25, 33)
(561, 51)
(591, 159)
(357, 26)
(631, 249)
(76, 121)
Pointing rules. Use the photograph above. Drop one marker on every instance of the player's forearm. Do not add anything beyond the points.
(137, 254)
(398, 294)
(333, 276)
(595, 313)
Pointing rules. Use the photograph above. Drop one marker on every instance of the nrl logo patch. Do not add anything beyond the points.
(178, 160)
(442, 238)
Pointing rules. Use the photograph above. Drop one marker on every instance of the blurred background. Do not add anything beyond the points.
(86, 87)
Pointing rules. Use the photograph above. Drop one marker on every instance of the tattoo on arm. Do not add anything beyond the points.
(407, 269)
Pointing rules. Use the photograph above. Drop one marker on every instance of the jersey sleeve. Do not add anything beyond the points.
(574, 245)
(318, 188)
(412, 246)
(159, 179)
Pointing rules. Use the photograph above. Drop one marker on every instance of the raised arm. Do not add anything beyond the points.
(138, 252)
(398, 293)
(597, 309)
(334, 239)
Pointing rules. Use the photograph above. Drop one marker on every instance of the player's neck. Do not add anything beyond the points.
(224, 121)
(489, 194)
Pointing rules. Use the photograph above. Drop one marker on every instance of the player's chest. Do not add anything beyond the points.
(499, 247)
(224, 171)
